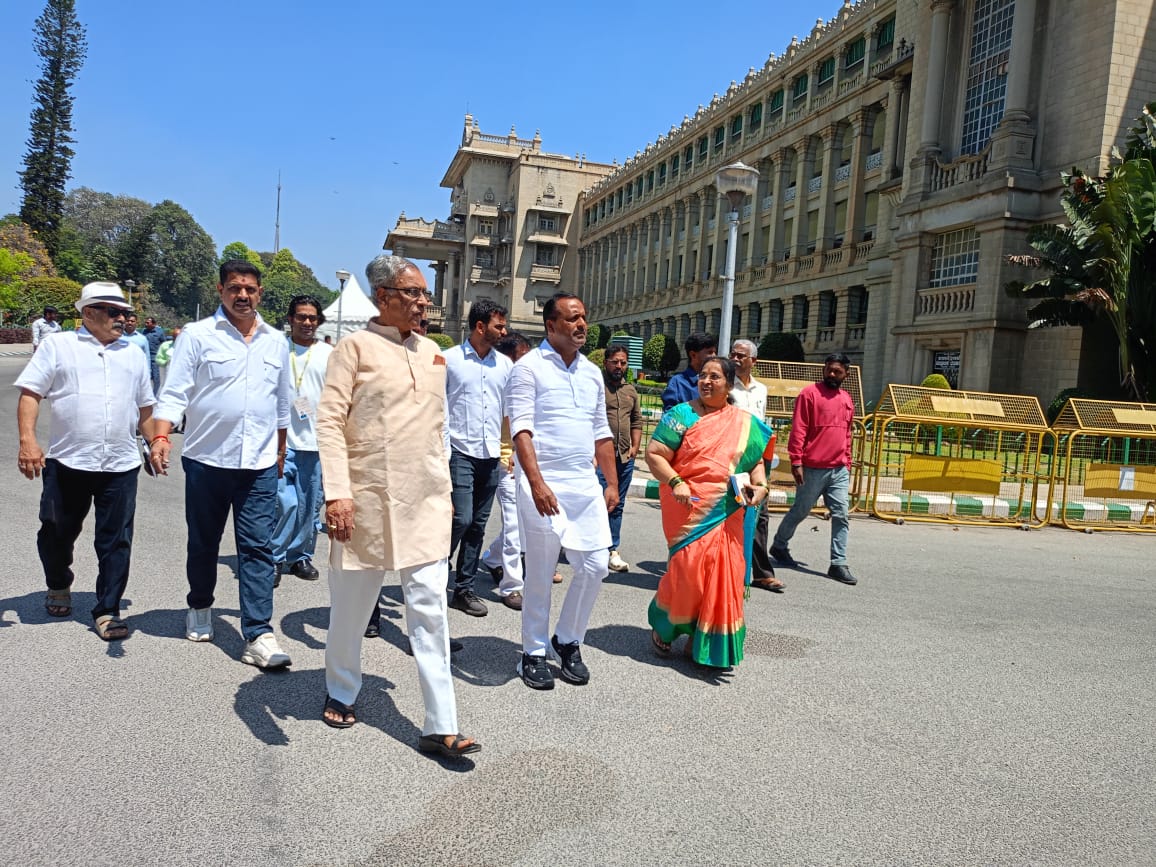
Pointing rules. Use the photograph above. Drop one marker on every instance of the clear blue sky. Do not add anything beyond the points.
(360, 105)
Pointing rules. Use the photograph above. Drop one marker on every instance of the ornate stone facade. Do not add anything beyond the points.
(510, 229)
(904, 149)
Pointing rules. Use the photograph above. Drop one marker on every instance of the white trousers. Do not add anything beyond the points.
(590, 567)
(352, 594)
(506, 549)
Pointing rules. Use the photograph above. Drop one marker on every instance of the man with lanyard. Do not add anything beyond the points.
(299, 494)
(229, 378)
(475, 379)
(624, 415)
(556, 402)
(41, 328)
(751, 395)
(96, 387)
(683, 386)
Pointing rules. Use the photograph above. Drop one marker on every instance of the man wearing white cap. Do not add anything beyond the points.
(97, 387)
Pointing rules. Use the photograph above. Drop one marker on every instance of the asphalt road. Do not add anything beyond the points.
(983, 696)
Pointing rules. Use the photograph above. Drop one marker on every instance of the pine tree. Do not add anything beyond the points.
(59, 40)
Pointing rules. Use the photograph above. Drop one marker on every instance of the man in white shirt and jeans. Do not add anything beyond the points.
(299, 494)
(556, 403)
(98, 389)
(230, 378)
(476, 377)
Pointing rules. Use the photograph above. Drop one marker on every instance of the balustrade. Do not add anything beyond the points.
(945, 301)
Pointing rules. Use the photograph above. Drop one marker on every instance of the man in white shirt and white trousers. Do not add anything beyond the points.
(230, 378)
(556, 403)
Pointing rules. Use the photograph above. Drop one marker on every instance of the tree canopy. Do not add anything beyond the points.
(170, 252)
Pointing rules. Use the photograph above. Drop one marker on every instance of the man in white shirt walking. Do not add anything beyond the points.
(557, 408)
(44, 326)
(299, 494)
(751, 395)
(97, 387)
(230, 378)
(476, 377)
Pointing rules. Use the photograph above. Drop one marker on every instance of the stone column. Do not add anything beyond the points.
(853, 231)
(893, 145)
(439, 269)
(805, 151)
(936, 71)
(1011, 145)
(757, 253)
(781, 179)
(827, 191)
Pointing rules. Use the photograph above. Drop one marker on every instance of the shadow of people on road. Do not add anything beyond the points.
(293, 626)
(633, 642)
(170, 623)
(261, 702)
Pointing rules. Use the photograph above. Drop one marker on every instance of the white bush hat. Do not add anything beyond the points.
(102, 293)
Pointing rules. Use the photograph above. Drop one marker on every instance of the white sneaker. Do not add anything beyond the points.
(264, 652)
(617, 564)
(199, 624)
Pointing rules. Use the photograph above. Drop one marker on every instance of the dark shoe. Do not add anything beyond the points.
(535, 672)
(468, 602)
(373, 631)
(842, 574)
(278, 570)
(514, 600)
(783, 556)
(574, 670)
(304, 570)
(496, 573)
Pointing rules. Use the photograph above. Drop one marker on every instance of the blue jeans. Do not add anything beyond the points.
(298, 500)
(625, 474)
(832, 484)
(475, 481)
(252, 495)
(68, 494)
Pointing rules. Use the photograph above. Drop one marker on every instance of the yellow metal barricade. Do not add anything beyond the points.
(960, 457)
(1107, 473)
(784, 380)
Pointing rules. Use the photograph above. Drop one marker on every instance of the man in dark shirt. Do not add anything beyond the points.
(624, 414)
(683, 386)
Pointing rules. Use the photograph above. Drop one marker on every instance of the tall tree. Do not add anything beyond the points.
(170, 251)
(59, 40)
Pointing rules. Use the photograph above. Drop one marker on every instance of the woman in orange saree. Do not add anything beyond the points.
(695, 450)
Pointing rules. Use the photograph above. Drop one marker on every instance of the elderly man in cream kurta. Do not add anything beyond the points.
(387, 486)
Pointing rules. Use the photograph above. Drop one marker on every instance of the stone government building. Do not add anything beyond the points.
(904, 148)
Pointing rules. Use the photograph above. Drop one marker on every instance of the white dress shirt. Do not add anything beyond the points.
(564, 409)
(41, 328)
(307, 374)
(474, 389)
(95, 393)
(752, 398)
(235, 395)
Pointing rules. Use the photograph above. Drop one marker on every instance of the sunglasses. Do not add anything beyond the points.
(110, 311)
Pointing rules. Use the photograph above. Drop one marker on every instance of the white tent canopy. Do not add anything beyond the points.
(354, 307)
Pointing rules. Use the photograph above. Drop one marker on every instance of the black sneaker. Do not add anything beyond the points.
(305, 570)
(535, 672)
(468, 602)
(496, 573)
(842, 574)
(278, 570)
(783, 556)
(574, 670)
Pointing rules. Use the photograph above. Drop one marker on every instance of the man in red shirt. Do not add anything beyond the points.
(820, 452)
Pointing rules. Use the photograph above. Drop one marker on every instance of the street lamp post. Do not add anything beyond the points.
(342, 276)
(736, 182)
(130, 285)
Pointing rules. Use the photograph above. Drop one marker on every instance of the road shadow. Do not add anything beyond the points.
(487, 660)
(264, 702)
(293, 625)
(229, 561)
(634, 643)
(170, 623)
